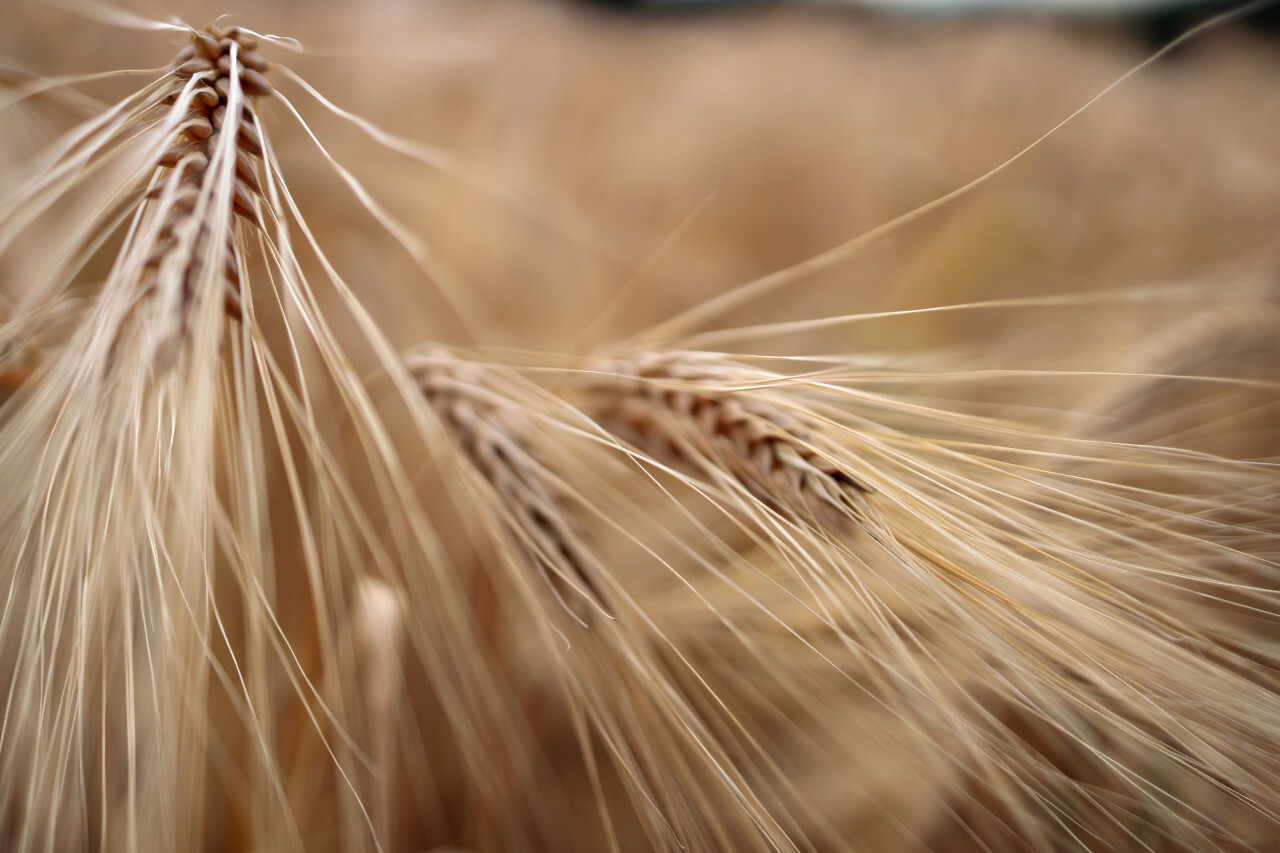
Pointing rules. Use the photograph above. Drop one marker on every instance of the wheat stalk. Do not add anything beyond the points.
(144, 444)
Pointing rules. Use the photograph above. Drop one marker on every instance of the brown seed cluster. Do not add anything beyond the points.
(214, 57)
(491, 430)
(18, 361)
(689, 413)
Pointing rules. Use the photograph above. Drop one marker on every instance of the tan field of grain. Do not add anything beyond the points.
(519, 425)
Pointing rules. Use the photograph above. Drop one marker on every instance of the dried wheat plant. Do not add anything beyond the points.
(273, 581)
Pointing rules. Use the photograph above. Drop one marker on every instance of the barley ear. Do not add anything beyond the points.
(493, 434)
(700, 414)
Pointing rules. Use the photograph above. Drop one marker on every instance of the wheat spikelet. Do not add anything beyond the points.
(208, 148)
(604, 685)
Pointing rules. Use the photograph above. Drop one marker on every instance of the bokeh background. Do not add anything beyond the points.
(592, 149)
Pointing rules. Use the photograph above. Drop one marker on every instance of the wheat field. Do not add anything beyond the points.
(522, 426)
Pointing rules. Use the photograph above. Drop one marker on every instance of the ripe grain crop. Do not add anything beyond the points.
(287, 566)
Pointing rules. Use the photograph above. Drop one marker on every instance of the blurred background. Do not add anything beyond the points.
(601, 166)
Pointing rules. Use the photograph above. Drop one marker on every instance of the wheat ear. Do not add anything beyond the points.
(1036, 625)
(191, 233)
(109, 543)
(700, 414)
(492, 432)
